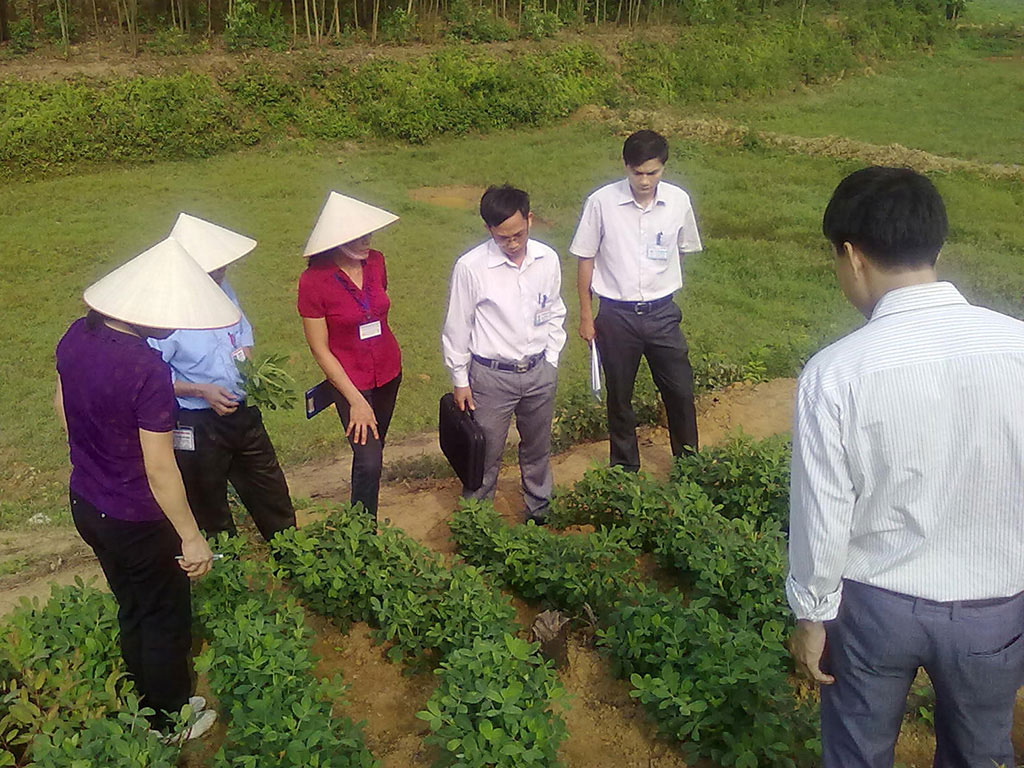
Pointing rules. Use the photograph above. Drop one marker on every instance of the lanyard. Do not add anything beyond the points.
(364, 301)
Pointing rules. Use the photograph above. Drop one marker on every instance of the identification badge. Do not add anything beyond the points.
(369, 330)
(657, 252)
(238, 355)
(184, 439)
(542, 317)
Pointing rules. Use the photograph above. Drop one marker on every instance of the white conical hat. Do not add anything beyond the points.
(211, 245)
(343, 220)
(163, 287)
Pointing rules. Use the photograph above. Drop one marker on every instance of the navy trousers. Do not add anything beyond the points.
(973, 652)
(623, 337)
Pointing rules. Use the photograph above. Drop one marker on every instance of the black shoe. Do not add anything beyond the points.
(540, 517)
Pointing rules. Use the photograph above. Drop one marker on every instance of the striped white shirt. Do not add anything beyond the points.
(908, 456)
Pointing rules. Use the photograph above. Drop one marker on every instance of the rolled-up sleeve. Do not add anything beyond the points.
(822, 500)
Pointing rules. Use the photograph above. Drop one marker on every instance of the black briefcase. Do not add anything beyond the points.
(462, 442)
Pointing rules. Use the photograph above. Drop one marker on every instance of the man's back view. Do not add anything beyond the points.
(907, 508)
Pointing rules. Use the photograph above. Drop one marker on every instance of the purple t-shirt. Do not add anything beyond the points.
(113, 385)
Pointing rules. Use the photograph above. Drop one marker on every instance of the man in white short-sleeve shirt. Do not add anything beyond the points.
(630, 241)
(501, 340)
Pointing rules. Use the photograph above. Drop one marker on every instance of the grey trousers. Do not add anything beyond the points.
(973, 653)
(531, 397)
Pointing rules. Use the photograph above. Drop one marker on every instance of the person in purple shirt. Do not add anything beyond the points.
(116, 401)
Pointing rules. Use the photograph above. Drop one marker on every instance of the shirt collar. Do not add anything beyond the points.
(915, 297)
(495, 257)
(625, 194)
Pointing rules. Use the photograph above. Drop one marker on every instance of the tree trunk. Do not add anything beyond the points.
(295, 25)
(376, 14)
(4, 34)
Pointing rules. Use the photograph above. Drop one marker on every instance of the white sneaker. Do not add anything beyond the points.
(201, 723)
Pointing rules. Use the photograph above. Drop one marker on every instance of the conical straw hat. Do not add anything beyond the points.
(163, 287)
(211, 245)
(343, 220)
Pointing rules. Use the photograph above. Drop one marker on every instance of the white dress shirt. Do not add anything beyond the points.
(503, 312)
(637, 250)
(908, 456)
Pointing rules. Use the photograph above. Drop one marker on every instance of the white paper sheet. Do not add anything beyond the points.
(595, 371)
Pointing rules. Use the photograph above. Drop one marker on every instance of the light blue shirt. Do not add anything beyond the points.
(205, 357)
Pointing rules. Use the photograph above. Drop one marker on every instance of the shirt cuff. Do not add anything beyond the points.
(807, 606)
(460, 376)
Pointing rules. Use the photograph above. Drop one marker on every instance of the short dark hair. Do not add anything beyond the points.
(894, 216)
(643, 146)
(501, 203)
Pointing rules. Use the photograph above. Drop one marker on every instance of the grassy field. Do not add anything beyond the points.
(762, 290)
(956, 102)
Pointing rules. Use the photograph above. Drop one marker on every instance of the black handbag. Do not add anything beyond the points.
(462, 442)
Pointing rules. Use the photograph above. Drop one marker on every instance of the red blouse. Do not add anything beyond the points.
(326, 291)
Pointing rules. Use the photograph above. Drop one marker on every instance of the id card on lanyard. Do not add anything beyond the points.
(371, 328)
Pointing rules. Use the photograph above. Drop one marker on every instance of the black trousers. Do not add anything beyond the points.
(368, 459)
(154, 603)
(623, 336)
(233, 447)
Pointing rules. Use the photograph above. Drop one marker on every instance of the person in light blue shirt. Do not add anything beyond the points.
(206, 359)
(220, 437)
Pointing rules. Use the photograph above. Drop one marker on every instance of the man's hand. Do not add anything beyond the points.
(807, 646)
(361, 422)
(587, 332)
(196, 557)
(464, 398)
(220, 399)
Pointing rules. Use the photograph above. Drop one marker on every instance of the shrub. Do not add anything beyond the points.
(246, 27)
(66, 700)
(537, 24)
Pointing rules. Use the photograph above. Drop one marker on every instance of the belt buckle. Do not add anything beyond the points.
(641, 307)
(522, 367)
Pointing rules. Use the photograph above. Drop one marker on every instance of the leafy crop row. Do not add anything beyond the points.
(64, 700)
(260, 666)
(708, 662)
(496, 700)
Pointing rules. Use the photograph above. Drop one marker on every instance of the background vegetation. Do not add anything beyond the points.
(757, 302)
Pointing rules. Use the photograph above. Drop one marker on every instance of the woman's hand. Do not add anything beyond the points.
(361, 421)
(196, 556)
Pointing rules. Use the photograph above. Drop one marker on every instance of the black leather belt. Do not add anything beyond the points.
(637, 307)
(497, 365)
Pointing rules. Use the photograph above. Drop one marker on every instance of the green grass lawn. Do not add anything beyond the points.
(763, 289)
(961, 103)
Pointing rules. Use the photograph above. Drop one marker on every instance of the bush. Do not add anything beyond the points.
(22, 35)
(399, 26)
(245, 27)
(537, 24)
(476, 24)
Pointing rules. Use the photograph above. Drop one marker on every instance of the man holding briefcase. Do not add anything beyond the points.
(501, 341)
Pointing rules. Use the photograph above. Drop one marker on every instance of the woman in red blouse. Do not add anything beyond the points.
(344, 306)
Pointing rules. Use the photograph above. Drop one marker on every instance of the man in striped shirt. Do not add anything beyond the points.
(907, 498)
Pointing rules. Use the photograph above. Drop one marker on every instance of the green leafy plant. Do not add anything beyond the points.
(267, 384)
(66, 700)
(430, 614)
(259, 662)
